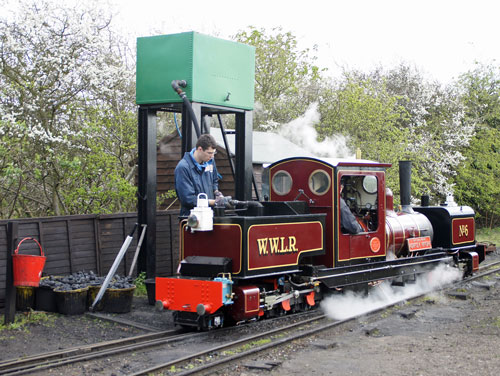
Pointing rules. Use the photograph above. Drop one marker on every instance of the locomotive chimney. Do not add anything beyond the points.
(405, 185)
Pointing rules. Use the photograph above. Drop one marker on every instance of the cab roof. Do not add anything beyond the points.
(338, 162)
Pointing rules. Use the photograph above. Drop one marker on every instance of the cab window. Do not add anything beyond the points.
(282, 182)
(359, 193)
(319, 182)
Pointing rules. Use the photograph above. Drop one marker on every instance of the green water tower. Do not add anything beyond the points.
(211, 76)
(217, 71)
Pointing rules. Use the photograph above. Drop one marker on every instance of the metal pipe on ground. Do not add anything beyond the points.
(112, 271)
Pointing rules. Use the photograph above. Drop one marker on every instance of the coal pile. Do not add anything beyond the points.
(75, 293)
(81, 280)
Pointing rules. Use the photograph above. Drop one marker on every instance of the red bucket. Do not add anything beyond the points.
(27, 269)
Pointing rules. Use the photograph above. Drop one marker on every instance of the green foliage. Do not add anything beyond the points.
(68, 122)
(368, 115)
(140, 286)
(22, 321)
(165, 198)
(491, 235)
(478, 176)
(286, 78)
(435, 128)
(481, 96)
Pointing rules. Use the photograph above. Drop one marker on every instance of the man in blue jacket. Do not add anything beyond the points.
(196, 173)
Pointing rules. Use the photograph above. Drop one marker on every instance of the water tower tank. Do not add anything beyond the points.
(217, 71)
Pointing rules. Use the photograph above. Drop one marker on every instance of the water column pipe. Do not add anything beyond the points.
(226, 145)
(177, 85)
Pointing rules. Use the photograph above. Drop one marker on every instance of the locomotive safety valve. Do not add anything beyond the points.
(161, 305)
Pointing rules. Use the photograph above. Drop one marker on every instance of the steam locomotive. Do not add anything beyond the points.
(285, 253)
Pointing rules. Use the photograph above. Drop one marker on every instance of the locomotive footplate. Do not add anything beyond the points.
(364, 273)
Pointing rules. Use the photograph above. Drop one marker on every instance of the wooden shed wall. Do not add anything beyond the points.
(169, 154)
(90, 242)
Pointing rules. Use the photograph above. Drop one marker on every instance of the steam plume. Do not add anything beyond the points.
(350, 304)
(301, 132)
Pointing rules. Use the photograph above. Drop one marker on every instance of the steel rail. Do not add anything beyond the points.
(227, 346)
(52, 359)
(83, 353)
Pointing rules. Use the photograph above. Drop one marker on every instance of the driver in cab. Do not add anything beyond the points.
(348, 222)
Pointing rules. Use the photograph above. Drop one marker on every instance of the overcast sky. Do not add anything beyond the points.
(443, 38)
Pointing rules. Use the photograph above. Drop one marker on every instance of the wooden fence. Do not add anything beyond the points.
(90, 242)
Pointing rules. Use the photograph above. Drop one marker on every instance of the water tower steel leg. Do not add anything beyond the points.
(147, 189)
(243, 181)
(10, 289)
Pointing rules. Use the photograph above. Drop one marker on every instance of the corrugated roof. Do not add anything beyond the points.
(268, 147)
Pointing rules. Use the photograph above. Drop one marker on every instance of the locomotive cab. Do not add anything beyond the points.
(323, 183)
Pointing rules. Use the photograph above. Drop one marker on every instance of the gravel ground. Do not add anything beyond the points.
(456, 332)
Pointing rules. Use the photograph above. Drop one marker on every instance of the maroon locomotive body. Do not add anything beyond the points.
(286, 252)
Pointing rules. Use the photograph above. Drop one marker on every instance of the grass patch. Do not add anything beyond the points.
(23, 320)
(140, 286)
(488, 235)
(247, 346)
(496, 322)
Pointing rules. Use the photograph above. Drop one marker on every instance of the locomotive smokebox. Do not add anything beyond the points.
(405, 185)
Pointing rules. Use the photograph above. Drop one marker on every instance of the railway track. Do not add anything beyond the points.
(220, 354)
(86, 353)
(76, 354)
(249, 346)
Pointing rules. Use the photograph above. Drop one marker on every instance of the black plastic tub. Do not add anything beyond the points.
(73, 302)
(45, 299)
(25, 298)
(117, 300)
(92, 294)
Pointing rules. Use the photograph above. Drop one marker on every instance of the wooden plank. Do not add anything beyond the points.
(60, 267)
(83, 245)
(60, 243)
(54, 226)
(55, 236)
(80, 228)
(84, 241)
(70, 256)
(3, 233)
(97, 231)
(56, 257)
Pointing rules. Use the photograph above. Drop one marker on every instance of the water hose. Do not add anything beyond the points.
(112, 271)
(177, 85)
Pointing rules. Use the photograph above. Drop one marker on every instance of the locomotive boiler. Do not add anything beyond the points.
(283, 254)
